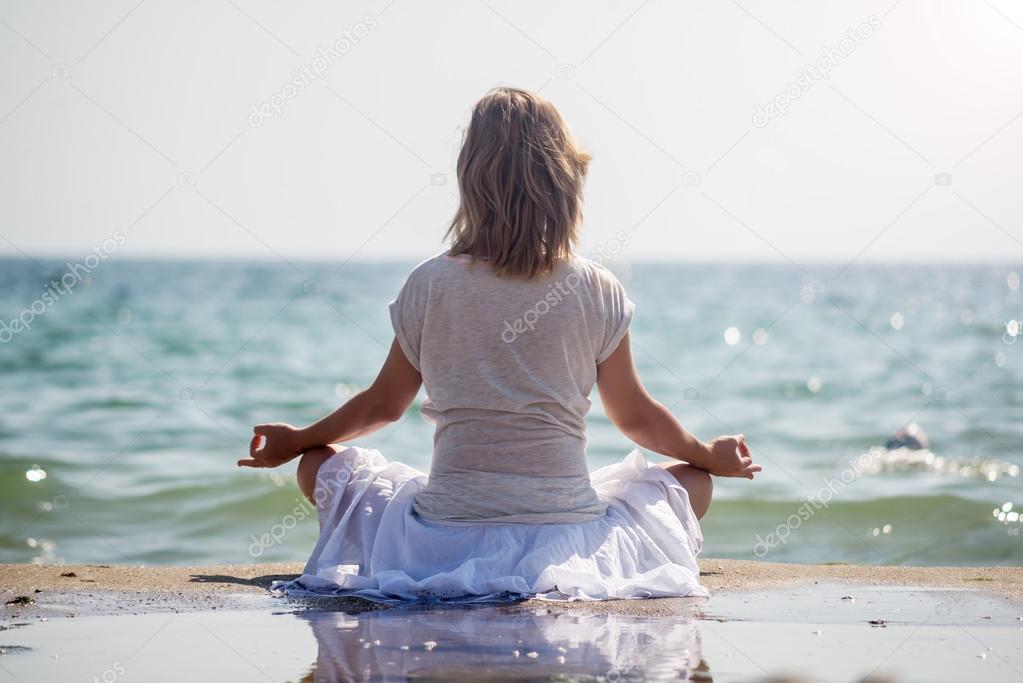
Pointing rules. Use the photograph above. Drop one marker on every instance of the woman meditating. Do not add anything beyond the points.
(508, 330)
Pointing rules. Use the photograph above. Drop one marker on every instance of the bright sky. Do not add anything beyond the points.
(138, 118)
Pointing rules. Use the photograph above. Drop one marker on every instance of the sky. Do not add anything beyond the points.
(721, 131)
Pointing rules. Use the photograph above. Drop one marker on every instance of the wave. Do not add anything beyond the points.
(880, 460)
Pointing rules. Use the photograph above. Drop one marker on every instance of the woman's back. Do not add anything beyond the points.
(508, 365)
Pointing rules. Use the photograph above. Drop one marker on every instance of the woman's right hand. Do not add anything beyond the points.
(272, 445)
(730, 457)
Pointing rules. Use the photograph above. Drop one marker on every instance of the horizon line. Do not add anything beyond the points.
(405, 260)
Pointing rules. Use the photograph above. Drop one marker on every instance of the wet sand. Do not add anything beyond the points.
(763, 622)
(106, 589)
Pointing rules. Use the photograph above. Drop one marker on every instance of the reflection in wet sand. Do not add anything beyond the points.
(480, 643)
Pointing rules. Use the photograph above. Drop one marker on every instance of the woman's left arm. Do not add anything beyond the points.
(385, 401)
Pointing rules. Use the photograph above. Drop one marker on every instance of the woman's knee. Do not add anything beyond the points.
(309, 467)
(697, 483)
(704, 485)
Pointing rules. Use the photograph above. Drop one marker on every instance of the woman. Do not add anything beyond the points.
(508, 331)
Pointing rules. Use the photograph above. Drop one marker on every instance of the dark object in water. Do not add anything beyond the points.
(912, 436)
(878, 622)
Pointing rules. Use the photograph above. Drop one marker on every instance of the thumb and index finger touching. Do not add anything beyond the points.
(257, 443)
(744, 451)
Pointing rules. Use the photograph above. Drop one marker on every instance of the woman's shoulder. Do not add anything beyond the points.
(434, 266)
(592, 271)
(580, 269)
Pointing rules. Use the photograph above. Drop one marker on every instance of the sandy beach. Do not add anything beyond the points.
(140, 589)
(763, 622)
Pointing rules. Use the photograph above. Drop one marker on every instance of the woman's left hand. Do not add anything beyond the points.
(272, 445)
(730, 457)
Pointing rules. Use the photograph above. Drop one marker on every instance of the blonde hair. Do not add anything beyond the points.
(520, 177)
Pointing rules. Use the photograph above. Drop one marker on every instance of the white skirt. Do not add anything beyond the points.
(373, 545)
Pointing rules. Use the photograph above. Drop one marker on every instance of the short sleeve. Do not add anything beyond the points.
(618, 312)
(407, 312)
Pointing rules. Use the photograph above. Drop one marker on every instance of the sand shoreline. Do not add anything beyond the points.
(764, 621)
(113, 589)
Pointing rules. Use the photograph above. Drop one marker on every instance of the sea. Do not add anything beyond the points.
(129, 390)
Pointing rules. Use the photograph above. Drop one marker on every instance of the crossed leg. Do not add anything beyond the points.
(695, 481)
(308, 467)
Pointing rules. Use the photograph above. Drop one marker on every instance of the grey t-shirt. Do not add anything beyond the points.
(508, 365)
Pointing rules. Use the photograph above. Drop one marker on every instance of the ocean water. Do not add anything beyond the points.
(127, 402)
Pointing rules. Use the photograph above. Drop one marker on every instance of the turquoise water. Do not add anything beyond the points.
(128, 401)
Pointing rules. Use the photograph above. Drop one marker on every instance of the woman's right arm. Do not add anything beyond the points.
(384, 402)
(647, 422)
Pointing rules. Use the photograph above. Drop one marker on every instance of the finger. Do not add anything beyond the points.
(258, 444)
(261, 429)
(249, 463)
